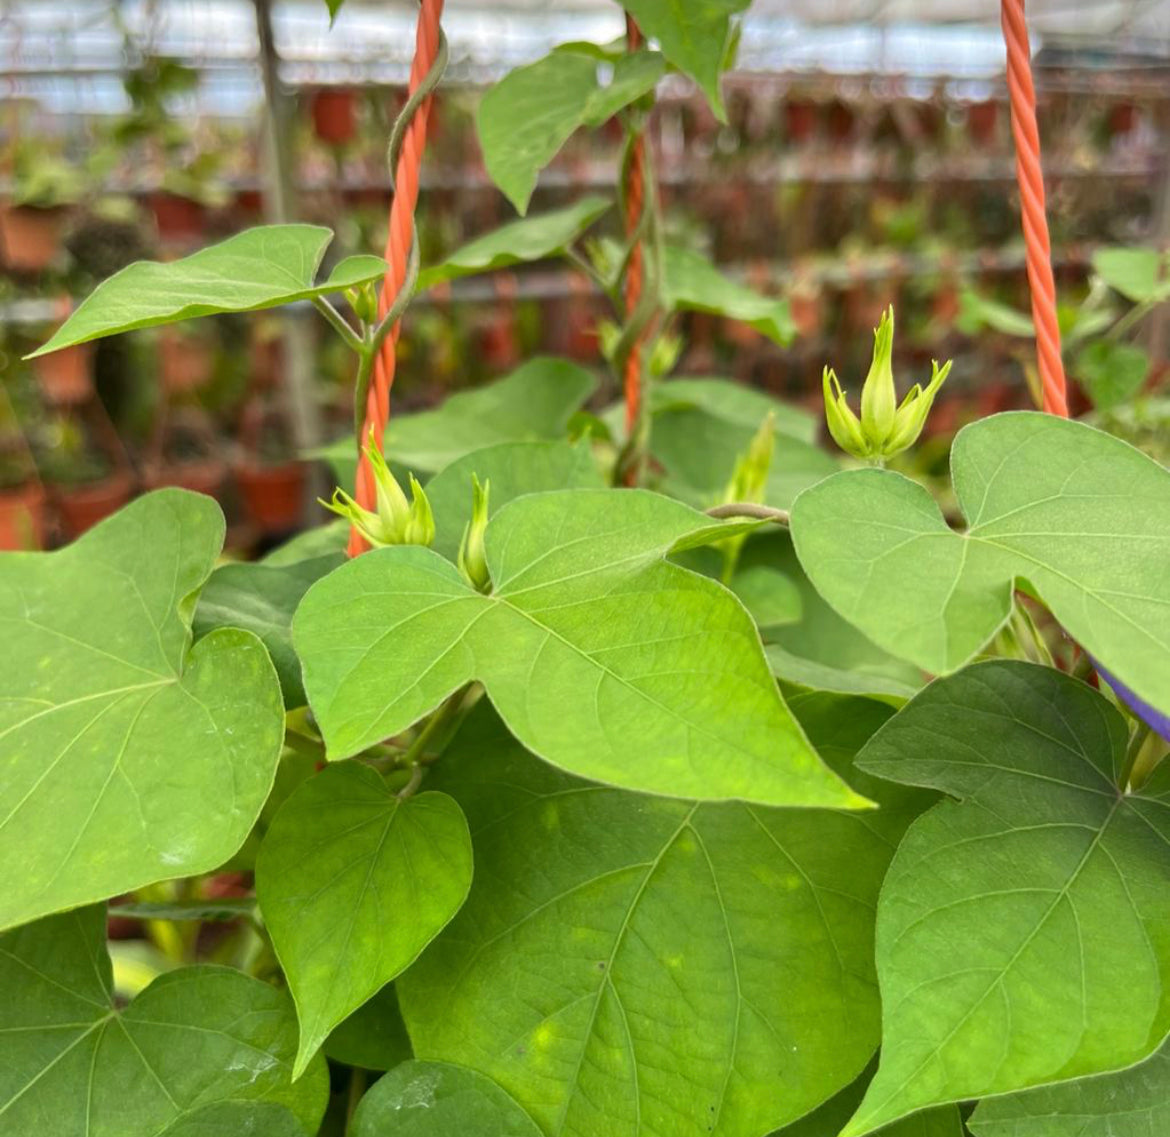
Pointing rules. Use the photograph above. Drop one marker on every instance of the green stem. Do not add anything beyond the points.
(1132, 318)
(442, 725)
(1141, 732)
(339, 324)
(749, 509)
(357, 1087)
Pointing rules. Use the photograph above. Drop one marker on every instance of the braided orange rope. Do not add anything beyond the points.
(398, 246)
(1030, 177)
(635, 202)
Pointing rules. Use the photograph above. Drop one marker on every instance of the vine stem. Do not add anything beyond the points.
(749, 509)
(450, 714)
(407, 142)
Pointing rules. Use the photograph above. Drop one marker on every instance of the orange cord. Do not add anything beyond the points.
(635, 200)
(398, 243)
(1030, 177)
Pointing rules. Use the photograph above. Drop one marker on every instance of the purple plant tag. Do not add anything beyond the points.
(1157, 721)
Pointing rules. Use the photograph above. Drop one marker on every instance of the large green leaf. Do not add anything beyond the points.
(259, 268)
(374, 1037)
(128, 756)
(602, 657)
(1111, 372)
(1138, 274)
(530, 239)
(261, 598)
(353, 884)
(434, 1099)
(735, 404)
(693, 282)
(640, 965)
(513, 469)
(238, 1118)
(536, 401)
(73, 1064)
(1022, 929)
(1074, 514)
(695, 35)
(1132, 1103)
(529, 114)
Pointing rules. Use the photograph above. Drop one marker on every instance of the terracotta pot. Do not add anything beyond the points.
(1122, 118)
(177, 218)
(186, 361)
(800, 119)
(334, 112)
(273, 496)
(82, 507)
(31, 237)
(981, 120)
(807, 310)
(64, 375)
(840, 120)
(204, 477)
(22, 517)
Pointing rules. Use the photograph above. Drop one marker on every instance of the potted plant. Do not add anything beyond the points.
(185, 451)
(85, 482)
(65, 376)
(22, 497)
(32, 221)
(272, 479)
(334, 114)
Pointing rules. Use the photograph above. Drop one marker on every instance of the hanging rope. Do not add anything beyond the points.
(1030, 177)
(407, 142)
(635, 191)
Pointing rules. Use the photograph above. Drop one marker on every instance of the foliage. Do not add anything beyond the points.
(649, 780)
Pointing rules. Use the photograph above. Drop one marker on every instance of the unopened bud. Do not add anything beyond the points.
(879, 400)
(911, 417)
(750, 477)
(842, 422)
(472, 559)
(363, 299)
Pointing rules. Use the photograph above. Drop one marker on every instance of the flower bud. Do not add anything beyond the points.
(911, 416)
(363, 299)
(879, 400)
(420, 525)
(472, 560)
(842, 422)
(750, 478)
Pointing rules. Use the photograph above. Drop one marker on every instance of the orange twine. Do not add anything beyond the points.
(635, 201)
(1030, 177)
(398, 244)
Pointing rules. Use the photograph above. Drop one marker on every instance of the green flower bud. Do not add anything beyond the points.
(911, 417)
(368, 524)
(472, 561)
(879, 400)
(664, 355)
(363, 299)
(392, 505)
(420, 526)
(842, 422)
(750, 478)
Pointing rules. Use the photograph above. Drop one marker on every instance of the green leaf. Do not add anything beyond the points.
(514, 469)
(261, 598)
(601, 657)
(334, 7)
(372, 1038)
(1112, 372)
(259, 268)
(633, 964)
(129, 756)
(238, 1118)
(529, 114)
(693, 283)
(434, 1099)
(73, 1063)
(1138, 274)
(695, 35)
(530, 239)
(1075, 515)
(536, 401)
(979, 312)
(736, 405)
(771, 597)
(318, 542)
(1021, 930)
(353, 884)
(1132, 1103)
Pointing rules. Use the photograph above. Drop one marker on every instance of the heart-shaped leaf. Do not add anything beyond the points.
(1138, 274)
(353, 884)
(1132, 1103)
(632, 964)
(75, 1065)
(261, 598)
(1112, 372)
(129, 756)
(692, 282)
(534, 402)
(530, 239)
(434, 1099)
(602, 657)
(529, 114)
(372, 1038)
(1078, 516)
(239, 1118)
(1020, 931)
(259, 268)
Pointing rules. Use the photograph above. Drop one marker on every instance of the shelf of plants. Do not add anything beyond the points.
(637, 751)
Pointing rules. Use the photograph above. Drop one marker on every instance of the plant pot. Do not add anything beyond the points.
(22, 517)
(186, 362)
(334, 112)
(177, 218)
(981, 120)
(273, 496)
(64, 375)
(800, 119)
(1122, 118)
(31, 237)
(82, 507)
(206, 476)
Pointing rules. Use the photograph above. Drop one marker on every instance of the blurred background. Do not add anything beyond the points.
(867, 160)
